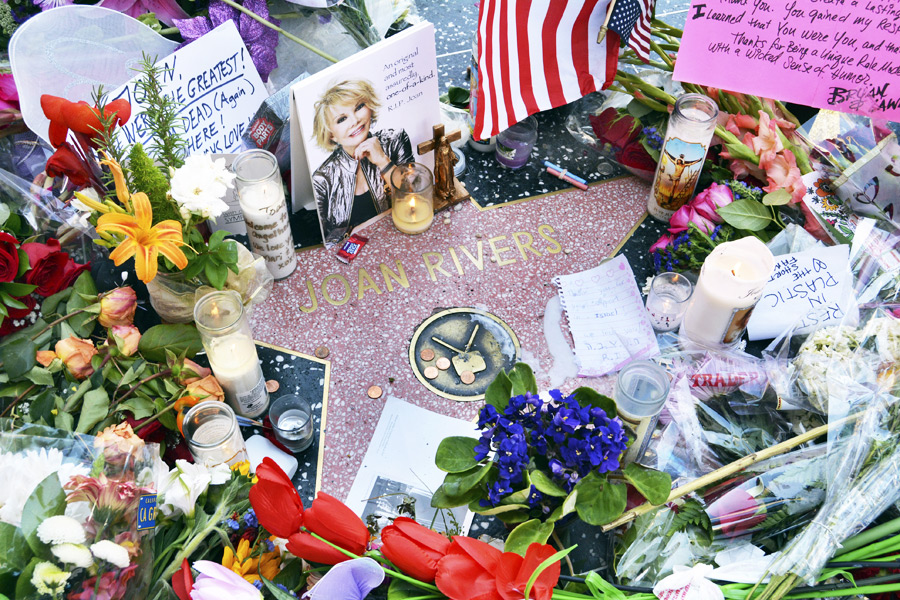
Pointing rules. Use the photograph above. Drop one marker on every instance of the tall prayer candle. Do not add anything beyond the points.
(731, 283)
(261, 197)
(229, 345)
(413, 207)
(688, 134)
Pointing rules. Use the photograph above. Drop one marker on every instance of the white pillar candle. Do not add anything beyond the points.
(731, 283)
(269, 227)
(261, 197)
(412, 214)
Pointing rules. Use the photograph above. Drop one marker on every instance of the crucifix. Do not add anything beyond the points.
(447, 189)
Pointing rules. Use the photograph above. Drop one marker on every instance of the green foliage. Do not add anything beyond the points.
(652, 485)
(47, 499)
(499, 391)
(691, 514)
(599, 501)
(747, 214)
(456, 454)
(527, 533)
(457, 97)
(148, 178)
(181, 338)
(160, 115)
(214, 262)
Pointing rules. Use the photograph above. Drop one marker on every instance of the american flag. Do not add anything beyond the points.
(631, 20)
(535, 55)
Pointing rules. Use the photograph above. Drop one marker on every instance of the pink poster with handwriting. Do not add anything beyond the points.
(838, 54)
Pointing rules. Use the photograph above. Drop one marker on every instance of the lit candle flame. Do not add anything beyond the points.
(734, 269)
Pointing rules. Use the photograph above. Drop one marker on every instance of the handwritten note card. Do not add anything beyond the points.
(607, 318)
(838, 54)
(809, 290)
(217, 87)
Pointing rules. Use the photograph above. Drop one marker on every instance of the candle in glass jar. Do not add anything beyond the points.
(232, 355)
(731, 283)
(412, 214)
(213, 434)
(262, 201)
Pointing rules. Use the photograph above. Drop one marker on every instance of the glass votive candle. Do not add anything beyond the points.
(292, 421)
(261, 196)
(412, 207)
(668, 300)
(213, 434)
(228, 340)
(642, 387)
(514, 145)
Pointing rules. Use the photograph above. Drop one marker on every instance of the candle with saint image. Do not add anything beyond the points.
(262, 201)
(731, 283)
(231, 351)
(413, 208)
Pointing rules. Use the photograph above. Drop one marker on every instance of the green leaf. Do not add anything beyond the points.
(17, 289)
(547, 486)
(177, 338)
(746, 214)
(133, 372)
(458, 97)
(24, 262)
(638, 109)
(403, 590)
(512, 517)
(14, 550)
(499, 392)
(18, 357)
(599, 501)
(140, 408)
(276, 592)
(777, 198)
(441, 499)
(51, 303)
(497, 510)
(42, 406)
(529, 532)
(24, 588)
(4, 213)
(11, 302)
(456, 454)
(84, 294)
(64, 421)
(457, 484)
(48, 499)
(543, 566)
(590, 397)
(85, 285)
(215, 274)
(652, 484)
(40, 376)
(522, 378)
(93, 409)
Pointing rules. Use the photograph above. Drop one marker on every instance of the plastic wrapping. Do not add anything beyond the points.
(79, 510)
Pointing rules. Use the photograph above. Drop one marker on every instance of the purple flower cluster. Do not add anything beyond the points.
(654, 140)
(560, 437)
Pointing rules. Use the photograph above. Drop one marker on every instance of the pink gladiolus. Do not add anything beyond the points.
(767, 143)
(662, 243)
(711, 199)
(782, 173)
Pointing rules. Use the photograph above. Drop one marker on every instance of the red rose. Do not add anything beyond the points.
(65, 162)
(634, 156)
(48, 264)
(9, 257)
(72, 270)
(617, 129)
(16, 319)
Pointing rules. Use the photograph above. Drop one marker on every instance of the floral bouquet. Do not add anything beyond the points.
(77, 514)
(543, 457)
(161, 201)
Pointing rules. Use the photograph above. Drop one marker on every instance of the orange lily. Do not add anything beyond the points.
(144, 241)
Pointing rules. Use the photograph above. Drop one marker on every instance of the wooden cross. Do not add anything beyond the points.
(447, 189)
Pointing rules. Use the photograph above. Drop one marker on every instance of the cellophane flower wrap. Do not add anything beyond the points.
(76, 513)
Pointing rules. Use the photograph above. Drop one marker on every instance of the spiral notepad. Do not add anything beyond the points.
(607, 318)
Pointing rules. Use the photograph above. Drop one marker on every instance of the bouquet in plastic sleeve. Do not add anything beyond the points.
(76, 513)
(875, 262)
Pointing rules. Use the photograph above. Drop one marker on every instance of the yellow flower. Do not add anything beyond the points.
(268, 564)
(119, 178)
(143, 240)
(243, 468)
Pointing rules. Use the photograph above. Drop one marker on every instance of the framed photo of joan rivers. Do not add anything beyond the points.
(356, 121)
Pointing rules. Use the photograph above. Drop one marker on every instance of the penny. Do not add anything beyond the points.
(427, 354)
(374, 392)
(272, 386)
(467, 377)
(431, 372)
(321, 352)
(443, 363)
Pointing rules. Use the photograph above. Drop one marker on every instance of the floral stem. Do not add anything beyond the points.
(663, 55)
(271, 25)
(198, 539)
(391, 572)
(867, 537)
(18, 399)
(155, 417)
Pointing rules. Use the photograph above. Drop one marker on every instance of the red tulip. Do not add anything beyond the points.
(80, 117)
(275, 500)
(414, 549)
(467, 571)
(515, 571)
(183, 581)
(331, 519)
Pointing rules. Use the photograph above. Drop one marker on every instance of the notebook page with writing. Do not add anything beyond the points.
(609, 323)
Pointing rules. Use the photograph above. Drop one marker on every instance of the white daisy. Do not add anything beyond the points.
(23, 471)
(61, 529)
(111, 552)
(73, 554)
